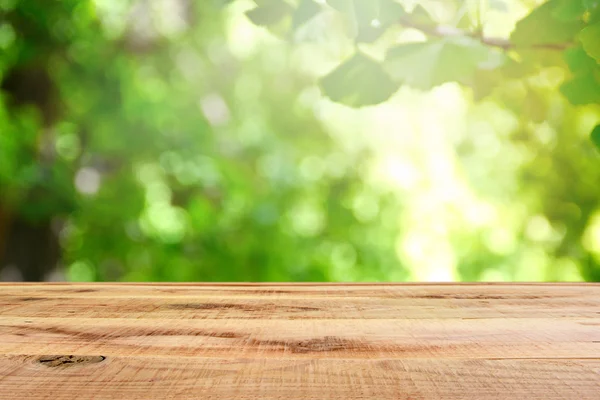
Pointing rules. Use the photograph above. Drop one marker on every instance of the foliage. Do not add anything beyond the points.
(449, 54)
(157, 168)
(149, 140)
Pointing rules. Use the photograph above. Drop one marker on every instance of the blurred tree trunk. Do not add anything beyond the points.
(30, 245)
(32, 248)
(4, 226)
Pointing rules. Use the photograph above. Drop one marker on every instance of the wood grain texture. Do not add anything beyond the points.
(288, 341)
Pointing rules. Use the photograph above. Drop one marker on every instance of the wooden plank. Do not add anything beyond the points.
(317, 302)
(144, 378)
(479, 338)
(282, 341)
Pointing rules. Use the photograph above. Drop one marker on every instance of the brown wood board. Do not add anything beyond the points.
(300, 341)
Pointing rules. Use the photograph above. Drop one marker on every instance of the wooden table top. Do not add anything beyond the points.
(299, 341)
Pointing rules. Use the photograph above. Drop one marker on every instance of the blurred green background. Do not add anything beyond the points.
(180, 140)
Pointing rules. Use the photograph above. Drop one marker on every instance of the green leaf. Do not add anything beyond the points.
(590, 39)
(579, 61)
(540, 58)
(390, 12)
(541, 26)
(583, 89)
(419, 15)
(269, 13)
(368, 20)
(359, 81)
(513, 69)
(344, 6)
(596, 136)
(428, 64)
(384, 14)
(568, 10)
(306, 10)
(593, 8)
(366, 11)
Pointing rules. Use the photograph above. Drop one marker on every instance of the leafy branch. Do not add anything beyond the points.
(570, 27)
(450, 31)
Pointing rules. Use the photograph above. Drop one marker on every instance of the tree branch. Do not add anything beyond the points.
(449, 31)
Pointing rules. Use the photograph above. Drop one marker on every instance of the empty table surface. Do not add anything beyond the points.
(300, 341)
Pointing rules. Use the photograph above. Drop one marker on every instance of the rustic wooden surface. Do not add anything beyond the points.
(313, 342)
